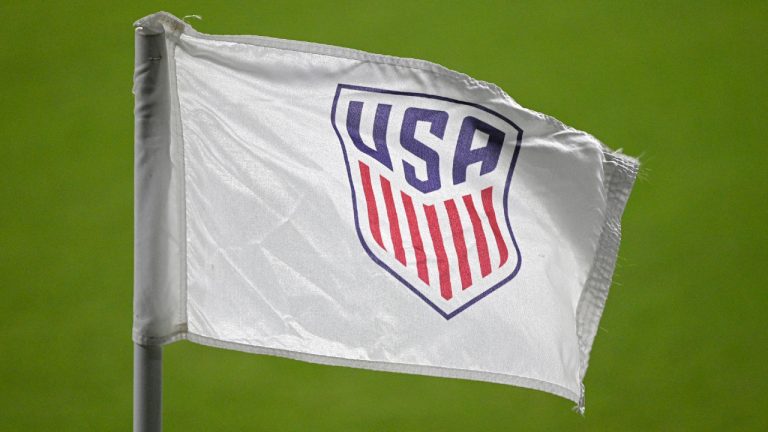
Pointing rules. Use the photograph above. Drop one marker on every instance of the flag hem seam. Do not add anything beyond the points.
(434, 371)
(620, 173)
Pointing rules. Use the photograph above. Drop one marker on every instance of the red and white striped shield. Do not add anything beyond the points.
(430, 181)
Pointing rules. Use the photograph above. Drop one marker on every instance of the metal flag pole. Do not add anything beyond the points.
(147, 388)
(151, 161)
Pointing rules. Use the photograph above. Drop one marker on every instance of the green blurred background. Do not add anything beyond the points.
(682, 345)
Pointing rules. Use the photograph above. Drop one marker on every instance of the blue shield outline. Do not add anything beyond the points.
(377, 260)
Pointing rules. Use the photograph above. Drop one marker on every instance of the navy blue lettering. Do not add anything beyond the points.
(488, 156)
(380, 151)
(438, 120)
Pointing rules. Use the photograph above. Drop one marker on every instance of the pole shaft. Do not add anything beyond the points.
(147, 388)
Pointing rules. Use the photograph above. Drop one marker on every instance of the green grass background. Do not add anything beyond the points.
(682, 345)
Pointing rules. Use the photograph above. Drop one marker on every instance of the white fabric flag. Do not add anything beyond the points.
(347, 208)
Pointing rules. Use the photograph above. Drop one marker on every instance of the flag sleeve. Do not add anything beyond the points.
(158, 228)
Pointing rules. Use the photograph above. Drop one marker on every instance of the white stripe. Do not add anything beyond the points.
(450, 248)
(473, 256)
(405, 234)
(493, 248)
(429, 248)
(381, 205)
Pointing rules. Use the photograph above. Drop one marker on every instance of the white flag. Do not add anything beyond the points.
(340, 207)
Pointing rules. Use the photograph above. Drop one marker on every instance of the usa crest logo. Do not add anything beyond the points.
(429, 178)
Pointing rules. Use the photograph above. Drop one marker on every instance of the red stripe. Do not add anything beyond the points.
(482, 243)
(487, 195)
(370, 201)
(442, 258)
(418, 246)
(394, 225)
(459, 244)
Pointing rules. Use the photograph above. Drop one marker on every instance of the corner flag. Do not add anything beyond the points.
(346, 208)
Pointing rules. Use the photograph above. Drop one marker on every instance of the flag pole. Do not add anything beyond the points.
(147, 388)
(151, 161)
